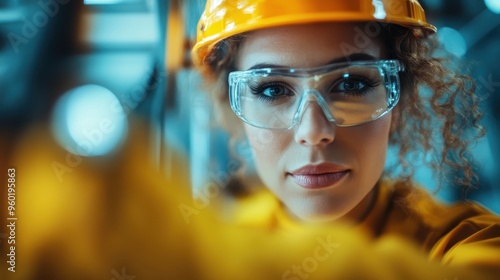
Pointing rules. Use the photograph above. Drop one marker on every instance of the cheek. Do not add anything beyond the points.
(263, 142)
(268, 149)
(371, 141)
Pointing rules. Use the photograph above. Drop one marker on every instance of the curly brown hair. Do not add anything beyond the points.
(436, 119)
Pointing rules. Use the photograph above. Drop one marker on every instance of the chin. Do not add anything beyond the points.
(319, 215)
(319, 208)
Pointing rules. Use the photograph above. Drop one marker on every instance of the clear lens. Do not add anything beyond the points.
(349, 93)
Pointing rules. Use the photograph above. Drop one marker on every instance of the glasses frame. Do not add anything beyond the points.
(388, 68)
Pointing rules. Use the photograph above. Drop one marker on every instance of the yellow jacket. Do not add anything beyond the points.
(460, 234)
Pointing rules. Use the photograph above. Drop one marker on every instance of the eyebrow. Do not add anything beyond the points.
(349, 58)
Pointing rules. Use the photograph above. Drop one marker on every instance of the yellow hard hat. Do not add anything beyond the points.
(224, 18)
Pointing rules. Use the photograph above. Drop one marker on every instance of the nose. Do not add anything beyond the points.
(314, 128)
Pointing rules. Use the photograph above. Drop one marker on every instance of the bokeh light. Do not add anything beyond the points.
(89, 121)
(452, 41)
(493, 5)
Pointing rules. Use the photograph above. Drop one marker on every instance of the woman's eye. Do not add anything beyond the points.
(275, 90)
(271, 90)
(351, 85)
(354, 85)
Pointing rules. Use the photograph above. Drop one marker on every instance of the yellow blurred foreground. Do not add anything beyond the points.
(117, 218)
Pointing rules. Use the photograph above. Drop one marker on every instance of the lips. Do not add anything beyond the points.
(319, 176)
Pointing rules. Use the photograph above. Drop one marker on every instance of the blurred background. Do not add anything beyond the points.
(85, 67)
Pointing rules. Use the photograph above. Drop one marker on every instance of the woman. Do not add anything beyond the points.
(321, 89)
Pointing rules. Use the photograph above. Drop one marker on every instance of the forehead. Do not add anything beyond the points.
(309, 45)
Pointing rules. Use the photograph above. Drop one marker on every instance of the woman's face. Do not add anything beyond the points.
(321, 172)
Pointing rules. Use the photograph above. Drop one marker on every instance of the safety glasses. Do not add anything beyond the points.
(349, 93)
